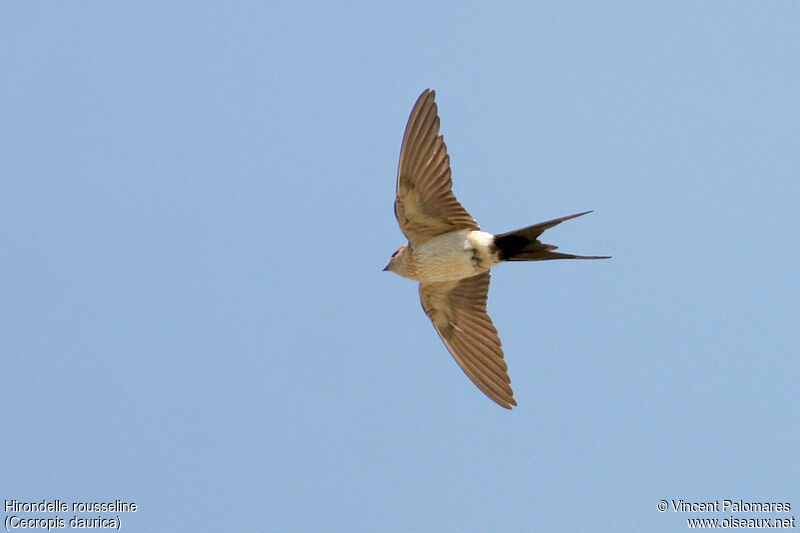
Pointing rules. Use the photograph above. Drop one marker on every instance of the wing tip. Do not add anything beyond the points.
(508, 405)
(427, 94)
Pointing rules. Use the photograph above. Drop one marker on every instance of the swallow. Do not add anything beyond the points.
(450, 257)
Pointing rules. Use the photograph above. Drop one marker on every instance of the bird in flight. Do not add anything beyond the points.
(450, 256)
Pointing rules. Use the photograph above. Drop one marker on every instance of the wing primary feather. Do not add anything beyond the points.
(480, 377)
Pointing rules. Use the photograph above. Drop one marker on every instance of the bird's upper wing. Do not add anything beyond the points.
(458, 312)
(425, 205)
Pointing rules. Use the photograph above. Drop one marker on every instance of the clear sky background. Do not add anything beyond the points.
(196, 205)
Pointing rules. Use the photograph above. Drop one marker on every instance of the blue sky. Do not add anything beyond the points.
(196, 206)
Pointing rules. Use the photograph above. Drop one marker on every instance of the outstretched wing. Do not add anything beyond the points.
(425, 205)
(458, 312)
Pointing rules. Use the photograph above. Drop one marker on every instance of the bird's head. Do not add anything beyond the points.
(397, 263)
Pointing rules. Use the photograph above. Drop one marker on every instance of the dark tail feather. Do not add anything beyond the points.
(523, 244)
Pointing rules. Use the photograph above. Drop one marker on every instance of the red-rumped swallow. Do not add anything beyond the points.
(450, 256)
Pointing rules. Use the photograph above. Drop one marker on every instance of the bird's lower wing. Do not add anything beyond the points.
(458, 312)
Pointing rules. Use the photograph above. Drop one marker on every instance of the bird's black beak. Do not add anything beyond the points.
(386, 268)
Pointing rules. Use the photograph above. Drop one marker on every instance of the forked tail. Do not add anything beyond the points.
(523, 244)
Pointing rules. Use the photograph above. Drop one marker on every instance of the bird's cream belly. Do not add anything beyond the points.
(455, 255)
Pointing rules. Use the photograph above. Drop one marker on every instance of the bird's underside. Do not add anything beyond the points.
(451, 257)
